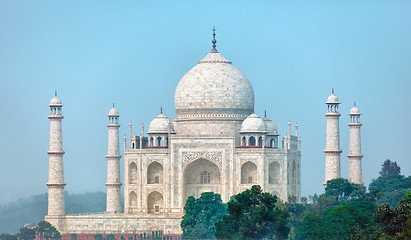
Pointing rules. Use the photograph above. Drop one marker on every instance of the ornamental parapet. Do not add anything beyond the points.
(212, 114)
(332, 114)
(55, 184)
(332, 151)
(113, 184)
(56, 117)
(55, 152)
(355, 156)
(355, 124)
(113, 125)
(113, 156)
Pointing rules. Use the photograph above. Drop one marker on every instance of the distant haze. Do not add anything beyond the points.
(134, 53)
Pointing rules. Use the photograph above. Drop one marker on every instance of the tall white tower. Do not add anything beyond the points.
(355, 156)
(113, 163)
(56, 172)
(332, 148)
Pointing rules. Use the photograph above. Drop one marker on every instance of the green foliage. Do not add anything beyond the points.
(393, 221)
(46, 231)
(8, 237)
(393, 188)
(390, 168)
(110, 236)
(201, 214)
(98, 236)
(253, 215)
(26, 233)
(340, 222)
(406, 199)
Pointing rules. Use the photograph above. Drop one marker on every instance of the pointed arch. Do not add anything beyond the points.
(132, 198)
(132, 173)
(154, 202)
(248, 173)
(274, 173)
(251, 141)
(155, 173)
(200, 176)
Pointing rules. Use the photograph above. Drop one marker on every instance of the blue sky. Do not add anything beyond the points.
(134, 53)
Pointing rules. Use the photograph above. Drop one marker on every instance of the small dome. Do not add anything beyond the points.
(253, 123)
(55, 101)
(270, 126)
(355, 111)
(113, 112)
(159, 124)
(332, 99)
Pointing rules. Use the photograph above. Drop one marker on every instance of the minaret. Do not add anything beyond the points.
(113, 163)
(56, 172)
(355, 156)
(332, 148)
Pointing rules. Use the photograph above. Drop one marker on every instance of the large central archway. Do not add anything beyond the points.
(201, 176)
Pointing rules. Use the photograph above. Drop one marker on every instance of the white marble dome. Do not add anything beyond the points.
(214, 84)
(159, 124)
(113, 112)
(270, 126)
(55, 101)
(355, 111)
(253, 123)
(332, 99)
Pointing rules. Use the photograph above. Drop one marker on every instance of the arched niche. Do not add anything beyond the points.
(260, 141)
(132, 199)
(154, 173)
(201, 176)
(272, 143)
(248, 173)
(251, 141)
(132, 173)
(274, 173)
(154, 202)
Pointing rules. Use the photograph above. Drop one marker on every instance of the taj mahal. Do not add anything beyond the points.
(216, 144)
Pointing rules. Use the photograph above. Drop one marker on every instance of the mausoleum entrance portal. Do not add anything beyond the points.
(201, 176)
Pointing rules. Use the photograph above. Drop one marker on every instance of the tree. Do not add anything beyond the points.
(27, 233)
(201, 214)
(253, 214)
(341, 222)
(8, 237)
(393, 221)
(46, 231)
(338, 188)
(393, 188)
(390, 168)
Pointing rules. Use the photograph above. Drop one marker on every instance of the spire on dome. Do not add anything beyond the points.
(265, 113)
(55, 93)
(214, 41)
(332, 91)
(161, 109)
(355, 104)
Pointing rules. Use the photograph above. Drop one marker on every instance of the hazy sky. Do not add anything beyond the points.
(134, 53)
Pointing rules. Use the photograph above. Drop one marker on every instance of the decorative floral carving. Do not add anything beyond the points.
(190, 156)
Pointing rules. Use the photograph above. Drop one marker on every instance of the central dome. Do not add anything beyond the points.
(214, 85)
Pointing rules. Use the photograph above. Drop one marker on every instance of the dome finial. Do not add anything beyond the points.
(355, 104)
(161, 109)
(265, 113)
(214, 41)
(332, 90)
(55, 93)
(113, 104)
